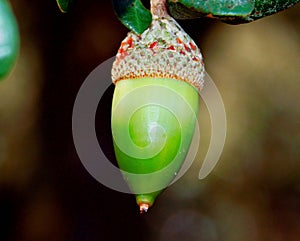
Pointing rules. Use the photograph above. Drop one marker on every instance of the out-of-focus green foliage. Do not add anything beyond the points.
(9, 39)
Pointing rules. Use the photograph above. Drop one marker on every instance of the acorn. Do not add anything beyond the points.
(9, 39)
(157, 77)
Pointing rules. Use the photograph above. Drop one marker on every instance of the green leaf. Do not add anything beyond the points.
(133, 14)
(265, 8)
(9, 39)
(65, 5)
(230, 11)
(184, 9)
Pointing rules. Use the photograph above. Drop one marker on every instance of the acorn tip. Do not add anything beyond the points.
(144, 207)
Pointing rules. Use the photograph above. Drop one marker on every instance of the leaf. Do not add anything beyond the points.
(9, 39)
(64, 5)
(265, 8)
(230, 11)
(133, 14)
(183, 9)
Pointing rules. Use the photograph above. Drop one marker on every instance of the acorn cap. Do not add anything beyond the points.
(164, 50)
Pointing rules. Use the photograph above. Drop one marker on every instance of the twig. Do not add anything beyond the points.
(159, 8)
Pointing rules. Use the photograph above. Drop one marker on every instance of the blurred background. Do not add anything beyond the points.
(253, 194)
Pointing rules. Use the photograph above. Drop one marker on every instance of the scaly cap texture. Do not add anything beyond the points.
(164, 50)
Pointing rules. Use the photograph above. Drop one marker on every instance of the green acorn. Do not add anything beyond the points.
(155, 105)
(9, 38)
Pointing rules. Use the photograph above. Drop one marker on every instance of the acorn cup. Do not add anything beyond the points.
(155, 105)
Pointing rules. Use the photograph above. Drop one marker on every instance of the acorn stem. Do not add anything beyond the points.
(159, 8)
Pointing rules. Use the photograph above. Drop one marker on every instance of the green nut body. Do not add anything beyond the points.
(9, 39)
(153, 122)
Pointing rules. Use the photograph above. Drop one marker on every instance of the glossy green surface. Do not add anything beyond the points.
(265, 8)
(133, 14)
(9, 39)
(185, 9)
(155, 125)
